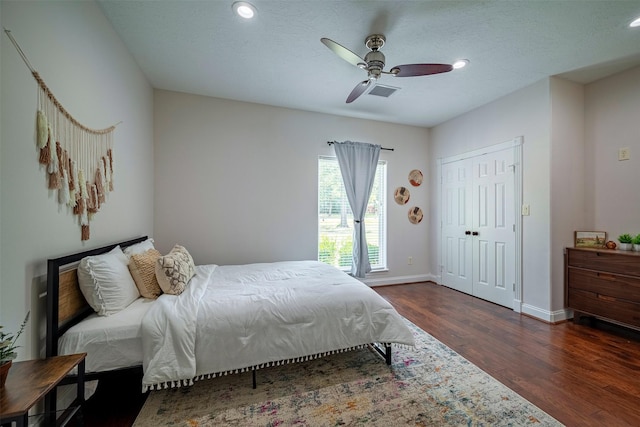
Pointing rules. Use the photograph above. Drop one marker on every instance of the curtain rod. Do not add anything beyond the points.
(382, 148)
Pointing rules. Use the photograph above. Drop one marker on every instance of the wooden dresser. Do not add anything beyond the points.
(603, 283)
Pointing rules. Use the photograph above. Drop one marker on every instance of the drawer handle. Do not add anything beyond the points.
(605, 276)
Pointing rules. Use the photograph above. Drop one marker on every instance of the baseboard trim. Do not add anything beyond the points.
(546, 315)
(526, 309)
(398, 280)
(562, 315)
(434, 278)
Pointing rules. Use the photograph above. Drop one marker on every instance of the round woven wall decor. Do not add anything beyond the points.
(401, 195)
(415, 177)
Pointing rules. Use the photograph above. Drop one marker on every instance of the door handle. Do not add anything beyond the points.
(475, 233)
(467, 232)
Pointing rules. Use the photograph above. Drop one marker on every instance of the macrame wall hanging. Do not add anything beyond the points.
(78, 160)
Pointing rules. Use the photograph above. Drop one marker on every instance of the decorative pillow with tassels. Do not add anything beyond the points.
(106, 283)
(174, 270)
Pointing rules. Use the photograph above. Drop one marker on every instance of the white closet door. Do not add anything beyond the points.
(494, 227)
(456, 221)
(478, 226)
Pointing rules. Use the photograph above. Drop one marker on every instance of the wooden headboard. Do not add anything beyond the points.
(66, 305)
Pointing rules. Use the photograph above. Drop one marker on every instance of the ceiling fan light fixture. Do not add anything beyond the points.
(374, 63)
(635, 23)
(244, 9)
(460, 63)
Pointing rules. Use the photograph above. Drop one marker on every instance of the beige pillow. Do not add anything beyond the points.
(174, 270)
(138, 248)
(143, 270)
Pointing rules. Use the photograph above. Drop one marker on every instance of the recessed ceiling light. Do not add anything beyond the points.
(461, 63)
(244, 10)
(635, 23)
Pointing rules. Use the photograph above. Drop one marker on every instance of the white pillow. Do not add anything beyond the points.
(138, 248)
(106, 283)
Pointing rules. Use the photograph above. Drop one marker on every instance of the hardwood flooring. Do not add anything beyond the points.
(582, 375)
(579, 374)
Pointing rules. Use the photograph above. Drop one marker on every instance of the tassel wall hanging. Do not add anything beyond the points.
(78, 160)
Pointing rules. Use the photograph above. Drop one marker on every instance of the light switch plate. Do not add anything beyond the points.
(624, 153)
(526, 210)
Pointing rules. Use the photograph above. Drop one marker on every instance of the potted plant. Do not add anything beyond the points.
(636, 243)
(8, 349)
(625, 242)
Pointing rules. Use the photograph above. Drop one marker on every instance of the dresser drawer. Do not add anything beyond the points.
(613, 262)
(619, 287)
(605, 306)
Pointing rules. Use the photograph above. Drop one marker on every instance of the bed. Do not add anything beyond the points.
(228, 319)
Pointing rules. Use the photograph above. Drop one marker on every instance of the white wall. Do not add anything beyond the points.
(612, 121)
(87, 67)
(567, 178)
(237, 182)
(525, 113)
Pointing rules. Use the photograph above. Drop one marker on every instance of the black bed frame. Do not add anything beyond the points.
(384, 350)
(55, 330)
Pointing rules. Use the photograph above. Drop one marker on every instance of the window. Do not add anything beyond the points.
(335, 219)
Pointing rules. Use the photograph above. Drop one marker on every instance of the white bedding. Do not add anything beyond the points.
(111, 342)
(235, 317)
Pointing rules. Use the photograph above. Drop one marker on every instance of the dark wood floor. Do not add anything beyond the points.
(582, 375)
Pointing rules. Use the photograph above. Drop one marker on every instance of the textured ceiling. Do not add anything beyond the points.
(201, 47)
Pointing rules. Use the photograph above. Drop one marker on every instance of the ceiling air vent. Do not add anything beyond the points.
(382, 90)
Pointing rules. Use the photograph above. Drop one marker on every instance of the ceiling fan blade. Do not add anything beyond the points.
(410, 70)
(344, 53)
(358, 90)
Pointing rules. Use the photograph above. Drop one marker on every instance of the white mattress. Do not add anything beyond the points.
(111, 342)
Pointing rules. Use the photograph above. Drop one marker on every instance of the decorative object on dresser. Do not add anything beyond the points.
(603, 284)
(626, 242)
(636, 243)
(589, 239)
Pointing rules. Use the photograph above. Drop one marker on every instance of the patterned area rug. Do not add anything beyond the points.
(430, 385)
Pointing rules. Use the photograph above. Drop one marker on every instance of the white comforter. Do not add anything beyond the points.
(235, 317)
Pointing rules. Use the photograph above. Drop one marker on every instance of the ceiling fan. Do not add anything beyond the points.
(373, 63)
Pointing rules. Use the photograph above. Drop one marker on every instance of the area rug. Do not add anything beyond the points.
(430, 385)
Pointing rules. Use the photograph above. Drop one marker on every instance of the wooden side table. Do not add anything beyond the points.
(31, 380)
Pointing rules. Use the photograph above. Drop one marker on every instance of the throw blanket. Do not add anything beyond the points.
(233, 318)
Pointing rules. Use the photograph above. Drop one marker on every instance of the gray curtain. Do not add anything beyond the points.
(358, 162)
